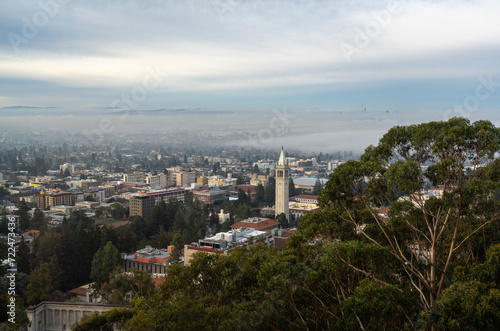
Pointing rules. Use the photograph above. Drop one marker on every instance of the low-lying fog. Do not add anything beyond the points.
(304, 130)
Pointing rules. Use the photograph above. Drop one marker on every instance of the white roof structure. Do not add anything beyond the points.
(227, 240)
(309, 181)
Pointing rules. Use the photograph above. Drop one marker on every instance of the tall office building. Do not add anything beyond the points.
(180, 177)
(142, 202)
(282, 179)
(158, 181)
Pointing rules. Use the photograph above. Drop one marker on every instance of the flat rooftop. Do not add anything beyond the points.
(149, 252)
(149, 193)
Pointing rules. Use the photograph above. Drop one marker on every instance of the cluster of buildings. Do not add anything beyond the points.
(141, 191)
(301, 205)
(169, 178)
(301, 167)
(121, 172)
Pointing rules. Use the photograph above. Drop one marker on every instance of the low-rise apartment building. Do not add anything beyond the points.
(49, 198)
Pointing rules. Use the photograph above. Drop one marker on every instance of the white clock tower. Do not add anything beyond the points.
(282, 179)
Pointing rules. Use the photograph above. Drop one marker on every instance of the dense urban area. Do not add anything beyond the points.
(159, 232)
(72, 200)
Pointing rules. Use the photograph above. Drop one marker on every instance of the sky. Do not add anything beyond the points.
(430, 56)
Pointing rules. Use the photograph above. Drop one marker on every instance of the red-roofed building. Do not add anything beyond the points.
(281, 238)
(85, 293)
(148, 259)
(257, 223)
(79, 291)
(250, 190)
(158, 281)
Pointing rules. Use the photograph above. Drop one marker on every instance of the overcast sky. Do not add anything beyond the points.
(251, 54)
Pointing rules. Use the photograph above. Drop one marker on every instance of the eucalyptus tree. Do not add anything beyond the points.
(426, 234)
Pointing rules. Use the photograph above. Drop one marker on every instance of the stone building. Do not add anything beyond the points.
(49, 315)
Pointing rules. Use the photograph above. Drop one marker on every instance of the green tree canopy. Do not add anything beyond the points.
(23, 257)
(105, 260)
(111, 320)
(38, 220)
(426, 235)
(283, 220)
(317, 187)
(3, 192)
(24, 219)
(260, 194)
(292, 191)
(40, 285)
(117, 210)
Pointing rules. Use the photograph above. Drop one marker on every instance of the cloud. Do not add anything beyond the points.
(254, 45)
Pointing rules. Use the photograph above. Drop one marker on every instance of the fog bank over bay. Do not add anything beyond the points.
(314, 130)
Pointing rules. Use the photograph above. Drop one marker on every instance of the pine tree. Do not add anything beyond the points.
(40, 285)
(317, 187)
(105, 260)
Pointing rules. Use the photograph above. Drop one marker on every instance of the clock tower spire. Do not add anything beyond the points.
(282, 179)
